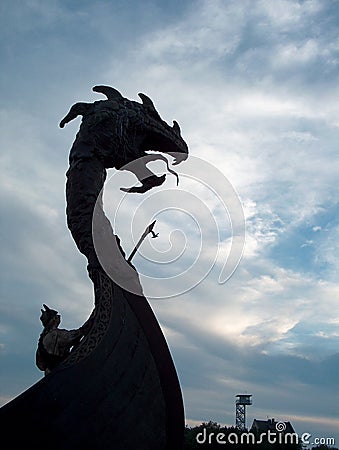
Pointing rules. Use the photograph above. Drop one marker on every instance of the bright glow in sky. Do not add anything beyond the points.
(254, 87)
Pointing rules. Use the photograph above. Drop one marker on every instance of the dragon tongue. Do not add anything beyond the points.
(178, 158)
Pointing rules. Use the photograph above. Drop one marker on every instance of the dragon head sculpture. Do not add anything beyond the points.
(139, 129)
(119, 131)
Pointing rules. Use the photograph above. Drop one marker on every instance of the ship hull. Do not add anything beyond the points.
(117, 390)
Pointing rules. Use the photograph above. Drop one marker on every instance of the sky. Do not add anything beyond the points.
(254, 87)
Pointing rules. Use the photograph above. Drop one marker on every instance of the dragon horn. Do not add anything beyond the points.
(146, 101)
(110, 92)
(176, 127)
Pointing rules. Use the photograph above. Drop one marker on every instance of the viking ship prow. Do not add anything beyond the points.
(118, 389)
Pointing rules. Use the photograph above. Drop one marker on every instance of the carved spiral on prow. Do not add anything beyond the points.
(200, 223)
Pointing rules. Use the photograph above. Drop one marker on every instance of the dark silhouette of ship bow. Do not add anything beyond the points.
(117, 390)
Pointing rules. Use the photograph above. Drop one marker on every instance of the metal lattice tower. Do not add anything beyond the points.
(240, 410)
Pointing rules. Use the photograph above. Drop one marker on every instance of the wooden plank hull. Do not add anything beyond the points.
(117, 390)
